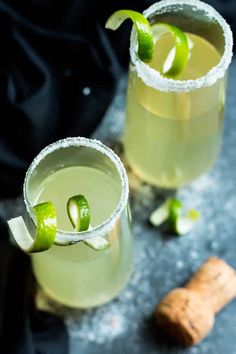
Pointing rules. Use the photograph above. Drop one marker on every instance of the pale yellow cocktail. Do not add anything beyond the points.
(77, 275)
(173, 126)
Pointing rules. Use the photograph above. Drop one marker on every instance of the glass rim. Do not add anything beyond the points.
(154, 79)
(70, 237)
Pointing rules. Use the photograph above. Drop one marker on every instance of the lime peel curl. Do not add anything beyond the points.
(147, 35)
(79, 214)
(46, 226)
(178, 57)
(46, 229)
(143, 28)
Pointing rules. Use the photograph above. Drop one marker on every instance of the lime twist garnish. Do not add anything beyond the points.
(79, 212)
(46, 230)
(143, 28)
(179, 54)
(45, 213)
(171, 211)
(147, 35)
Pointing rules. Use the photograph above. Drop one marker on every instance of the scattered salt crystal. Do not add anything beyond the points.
(86, 91)
(211, 227)
(214, 246)
(98, 326)
(180, 264)
(204, 183)
(128, 295)
(194, 255)
(194, 351)
(113, 129)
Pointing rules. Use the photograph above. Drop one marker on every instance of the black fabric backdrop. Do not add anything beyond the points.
(23, 329)
(50, 51)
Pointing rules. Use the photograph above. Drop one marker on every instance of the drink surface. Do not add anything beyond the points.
(77, 275)
(101, 191)
(173, 137)
(203, 56)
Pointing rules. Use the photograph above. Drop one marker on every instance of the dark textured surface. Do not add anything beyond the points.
(163, 262)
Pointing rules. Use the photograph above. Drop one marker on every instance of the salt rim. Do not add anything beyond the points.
(154, 79)
(63, 237)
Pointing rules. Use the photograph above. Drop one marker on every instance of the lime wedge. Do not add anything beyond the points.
(186, 223)
(171, 211)
(179, 55)
(79, 212)
(160, 215)
(175, 209)
(143, 28)
(181, 223)
(46, 230)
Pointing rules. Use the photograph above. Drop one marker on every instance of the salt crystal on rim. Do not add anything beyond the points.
(108, 224)
(154, 79)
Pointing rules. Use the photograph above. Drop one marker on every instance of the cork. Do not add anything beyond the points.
(187, 314)
(215, 283)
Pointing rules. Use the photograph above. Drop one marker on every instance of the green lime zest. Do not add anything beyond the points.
(147, 36)
(143, 28)
(46, 229)
(46, 226)
(175, 210)
(78, 211)
(79, 214)
(178, 57)
(172, 213)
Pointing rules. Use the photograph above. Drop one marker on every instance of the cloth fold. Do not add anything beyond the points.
(54, 83)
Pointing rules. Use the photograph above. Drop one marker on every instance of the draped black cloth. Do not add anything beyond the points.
(58, 73)
(23, 329)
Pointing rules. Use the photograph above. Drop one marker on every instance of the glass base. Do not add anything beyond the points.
(51, 302)
(165, 182)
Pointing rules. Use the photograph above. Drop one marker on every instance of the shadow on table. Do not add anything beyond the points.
(153, 334)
